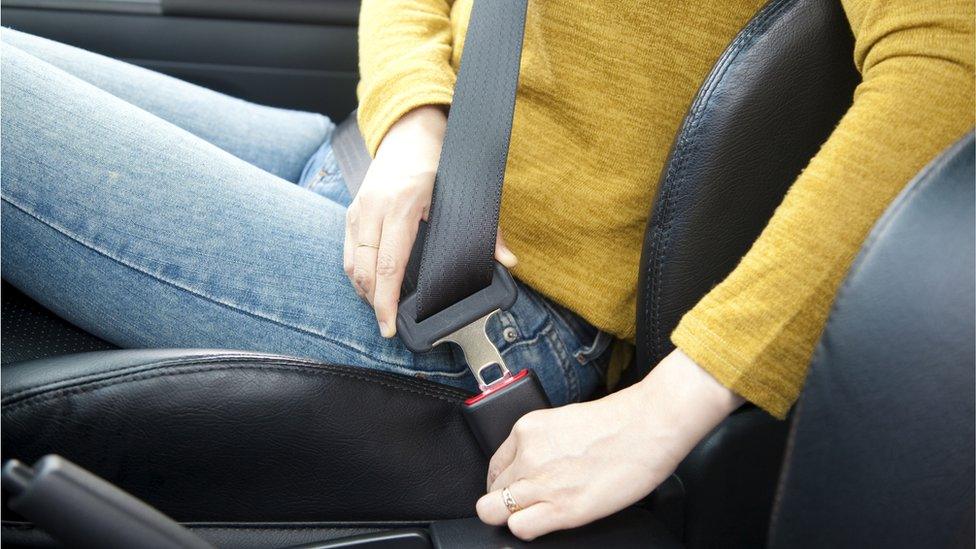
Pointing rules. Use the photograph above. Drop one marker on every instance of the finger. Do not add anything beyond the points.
(364, 256)
(492, 509)
(537, 520)
(399, 232)
(503, 458)
(348, 247)
(508, 476)
(502, 252)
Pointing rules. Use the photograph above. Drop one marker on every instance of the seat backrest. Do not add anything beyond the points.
(882, 446)
(771, 100)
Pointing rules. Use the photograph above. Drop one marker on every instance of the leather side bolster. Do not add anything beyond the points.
(223, 436)
(882, 445)
(24, 379)
(771, 100)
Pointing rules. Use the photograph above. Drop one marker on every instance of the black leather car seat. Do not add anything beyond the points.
(884, 435)
(227, 440)
(773, 97)
(863, 469)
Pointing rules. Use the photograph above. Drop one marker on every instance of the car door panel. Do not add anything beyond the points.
(299, 55)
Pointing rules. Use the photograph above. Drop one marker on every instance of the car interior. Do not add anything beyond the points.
(246, 449)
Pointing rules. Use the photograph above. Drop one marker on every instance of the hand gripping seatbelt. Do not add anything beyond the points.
(459, 285)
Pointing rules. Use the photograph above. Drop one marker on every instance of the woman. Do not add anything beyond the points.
(154, 213)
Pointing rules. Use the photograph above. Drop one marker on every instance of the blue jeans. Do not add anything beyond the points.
(155, 213)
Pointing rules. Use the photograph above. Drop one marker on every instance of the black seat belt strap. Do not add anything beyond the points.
(453, 286)
(458, 283)
(459, 286)
(458, 252)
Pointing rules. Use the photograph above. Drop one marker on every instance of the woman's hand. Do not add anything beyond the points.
(382, 221)
(568, 466)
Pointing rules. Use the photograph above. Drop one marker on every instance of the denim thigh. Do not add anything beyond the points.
(150, 236)
(276, 140)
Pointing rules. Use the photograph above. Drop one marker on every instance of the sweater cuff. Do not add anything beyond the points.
(716, 356)
(388, 101)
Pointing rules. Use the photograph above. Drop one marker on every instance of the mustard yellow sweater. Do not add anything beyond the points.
(604, 86)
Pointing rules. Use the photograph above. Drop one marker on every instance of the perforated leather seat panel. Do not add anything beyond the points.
(30, 331)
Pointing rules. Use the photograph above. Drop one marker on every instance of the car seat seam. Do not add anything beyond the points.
(675, 177)
(44, 397)
(128, 369)
(260, 525)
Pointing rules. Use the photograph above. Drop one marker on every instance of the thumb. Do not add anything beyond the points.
(502, 253)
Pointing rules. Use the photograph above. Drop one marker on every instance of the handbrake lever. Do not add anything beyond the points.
(80, 509)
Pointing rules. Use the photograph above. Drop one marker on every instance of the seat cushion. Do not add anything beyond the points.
(30, 331)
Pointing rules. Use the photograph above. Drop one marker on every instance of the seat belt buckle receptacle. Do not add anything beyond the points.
(492, 414)
(503, 400)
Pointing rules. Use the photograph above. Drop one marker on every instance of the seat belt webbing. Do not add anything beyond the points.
(458, 249)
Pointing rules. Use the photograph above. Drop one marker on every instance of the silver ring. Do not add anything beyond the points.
(509, 500)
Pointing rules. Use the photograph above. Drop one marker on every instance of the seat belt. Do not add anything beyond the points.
(458, 284)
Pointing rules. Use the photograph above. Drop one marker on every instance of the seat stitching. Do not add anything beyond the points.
(686, 144)
(258, 525)
(683, 150)
(263, 526)
(42, 398)
(134, 367)
(222, 358)
(83, 389)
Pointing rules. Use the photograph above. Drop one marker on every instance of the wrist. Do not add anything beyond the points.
(690, 386)
(682, 402)
(416, 138)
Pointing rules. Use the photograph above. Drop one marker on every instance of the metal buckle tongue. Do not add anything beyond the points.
(479, 352)
(463, 323)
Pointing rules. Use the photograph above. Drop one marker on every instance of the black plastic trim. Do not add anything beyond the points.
(317, 12)
(142, 7)
(327, 12)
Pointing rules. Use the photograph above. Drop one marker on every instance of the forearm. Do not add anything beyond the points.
(756, 331)
(404, 62)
